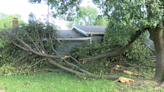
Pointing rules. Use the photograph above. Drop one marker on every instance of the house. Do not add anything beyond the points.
(78, 35)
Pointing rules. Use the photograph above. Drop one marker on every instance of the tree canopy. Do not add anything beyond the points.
(84, 16)
(87, 16)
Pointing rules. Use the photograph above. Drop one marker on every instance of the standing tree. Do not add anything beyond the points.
(131, 17)
(87, 16)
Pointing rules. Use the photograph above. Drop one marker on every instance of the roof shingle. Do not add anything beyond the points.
(92, 29)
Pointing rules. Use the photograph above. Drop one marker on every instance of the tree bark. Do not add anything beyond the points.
(111, 77)
(156, 34)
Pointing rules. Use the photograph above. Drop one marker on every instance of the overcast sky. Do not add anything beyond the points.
(23, 7)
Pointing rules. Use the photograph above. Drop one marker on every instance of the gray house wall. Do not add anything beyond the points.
(76, 43)
(97, 38)
(70, 38)
(78, 35)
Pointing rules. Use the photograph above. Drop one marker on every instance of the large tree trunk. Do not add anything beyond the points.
(156, 34)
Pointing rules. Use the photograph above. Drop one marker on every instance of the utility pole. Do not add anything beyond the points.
(48, 12)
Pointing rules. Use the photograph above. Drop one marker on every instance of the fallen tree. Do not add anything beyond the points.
(32, 51)
(32, 46)
(125, 18)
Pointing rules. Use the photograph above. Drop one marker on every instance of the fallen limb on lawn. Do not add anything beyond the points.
(125, 80)
(128, 72)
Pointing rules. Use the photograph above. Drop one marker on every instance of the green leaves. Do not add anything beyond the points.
(84, 16)
(6, 20)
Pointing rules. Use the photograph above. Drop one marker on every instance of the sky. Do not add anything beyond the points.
(23, 8)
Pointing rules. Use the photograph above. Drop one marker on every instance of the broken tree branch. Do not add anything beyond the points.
(33, 51)
(80, 73)
(32, 41)
(118, 51)
(31, 65)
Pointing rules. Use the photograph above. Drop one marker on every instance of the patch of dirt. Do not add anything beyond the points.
(5, 89)
(140, 84)
(160, 86)
(122, 89)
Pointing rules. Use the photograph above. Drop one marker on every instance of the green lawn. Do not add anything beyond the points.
(64, 82)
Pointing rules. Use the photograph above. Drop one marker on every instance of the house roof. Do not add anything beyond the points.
(90, 29)
(69, 34)
(80, 32)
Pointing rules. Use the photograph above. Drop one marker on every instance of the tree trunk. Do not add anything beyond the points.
(156, 34)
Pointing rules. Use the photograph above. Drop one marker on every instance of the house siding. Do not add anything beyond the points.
(71, 44)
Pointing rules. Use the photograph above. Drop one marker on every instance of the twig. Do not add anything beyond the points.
(148, 46)
(52, 45)
(31, 65)
(39, 39)
(51, 70)
(25, 60)
(32, 41)
(20, 59)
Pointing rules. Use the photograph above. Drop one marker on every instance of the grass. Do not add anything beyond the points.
(64, 82)
(53, 82)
